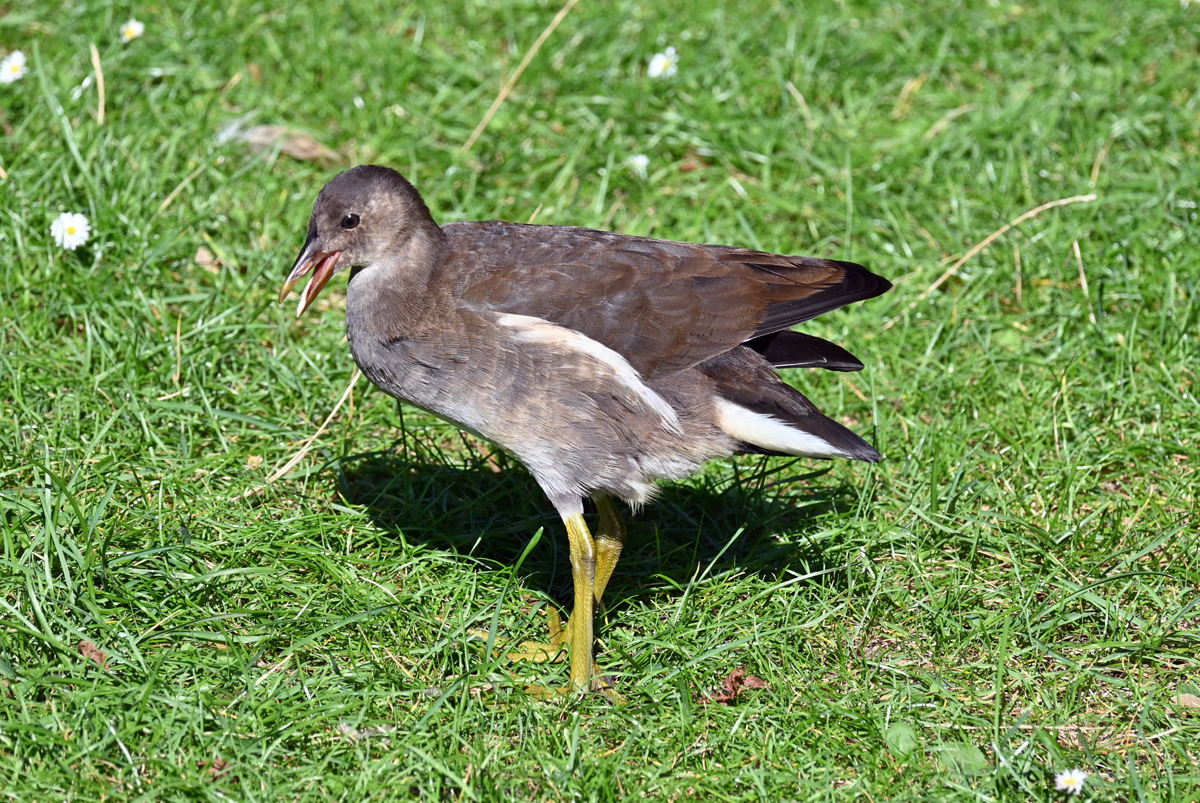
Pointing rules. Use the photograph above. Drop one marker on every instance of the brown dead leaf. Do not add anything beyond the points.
(90, 650)
(1187, 700)
(692, 161)
(205, 259)
(218, 768)
(732, 686)
(293, 143)
(254, 462)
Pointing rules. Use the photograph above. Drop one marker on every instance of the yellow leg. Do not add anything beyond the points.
(579, 628)
(592, 565)
(610, 539)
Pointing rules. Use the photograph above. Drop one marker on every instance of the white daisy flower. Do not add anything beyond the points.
(132, 30)
(70, 230)
(13, 67)
(663, 65)
(1070, 781)
(639, 162)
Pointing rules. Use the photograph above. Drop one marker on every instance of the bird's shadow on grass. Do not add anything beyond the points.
(488, 506)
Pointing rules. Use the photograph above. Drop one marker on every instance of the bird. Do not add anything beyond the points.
(603, 362)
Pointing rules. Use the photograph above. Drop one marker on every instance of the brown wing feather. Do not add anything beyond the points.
(665, 306)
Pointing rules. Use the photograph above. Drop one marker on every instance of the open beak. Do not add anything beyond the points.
(320, 264)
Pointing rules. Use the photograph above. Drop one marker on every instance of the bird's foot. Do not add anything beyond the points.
(539, 652)
(542, 652)
(556, 651)
(599, 685)
(605, 684)
(553, 651)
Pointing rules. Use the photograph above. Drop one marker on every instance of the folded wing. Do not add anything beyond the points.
(630, 293)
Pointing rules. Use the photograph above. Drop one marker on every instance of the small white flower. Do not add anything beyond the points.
(13, 67)
(639, 162)
(663, 65)
(132, 30)
(1070, 781)
(70, 230)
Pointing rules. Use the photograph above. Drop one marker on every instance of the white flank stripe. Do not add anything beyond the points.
(770, 433)
(539, 330)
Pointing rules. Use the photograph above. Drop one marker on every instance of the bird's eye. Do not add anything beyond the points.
(349, 221)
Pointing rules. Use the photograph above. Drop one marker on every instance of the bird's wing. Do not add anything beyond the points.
(665, 306)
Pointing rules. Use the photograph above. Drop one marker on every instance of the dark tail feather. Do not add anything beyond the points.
(788, 349)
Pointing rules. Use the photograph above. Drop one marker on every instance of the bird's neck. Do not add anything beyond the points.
(397, 297)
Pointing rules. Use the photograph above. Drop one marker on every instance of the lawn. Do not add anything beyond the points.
(1011, 594)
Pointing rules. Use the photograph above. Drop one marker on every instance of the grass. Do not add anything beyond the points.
(1012, 593)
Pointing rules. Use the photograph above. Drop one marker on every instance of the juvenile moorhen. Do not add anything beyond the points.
(603, 362)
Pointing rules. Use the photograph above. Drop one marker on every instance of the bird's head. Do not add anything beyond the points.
(363, 217)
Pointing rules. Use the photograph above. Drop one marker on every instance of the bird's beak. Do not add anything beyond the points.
(321, 264)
